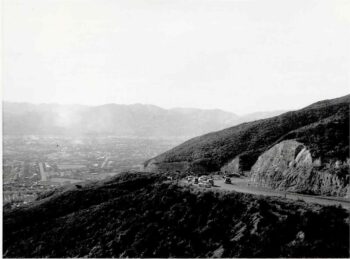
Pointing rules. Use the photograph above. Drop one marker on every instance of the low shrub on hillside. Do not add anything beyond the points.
(140, 215)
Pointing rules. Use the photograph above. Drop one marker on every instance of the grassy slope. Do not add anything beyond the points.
(140, 215)
(249, 140)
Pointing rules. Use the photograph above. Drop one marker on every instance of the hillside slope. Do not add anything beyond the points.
(141, 215)
(323, 127)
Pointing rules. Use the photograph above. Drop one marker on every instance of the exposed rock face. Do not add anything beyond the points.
(289, 166)
(323, 127)
(232, 167)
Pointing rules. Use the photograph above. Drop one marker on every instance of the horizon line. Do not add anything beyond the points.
(147, 104)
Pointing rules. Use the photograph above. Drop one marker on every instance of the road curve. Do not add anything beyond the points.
(242, 185)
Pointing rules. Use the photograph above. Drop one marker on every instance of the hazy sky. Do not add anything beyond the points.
(240, 56)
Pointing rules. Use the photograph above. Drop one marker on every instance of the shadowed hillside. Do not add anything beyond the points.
(141, 215)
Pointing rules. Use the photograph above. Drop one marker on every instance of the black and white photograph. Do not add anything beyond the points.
(175, 129)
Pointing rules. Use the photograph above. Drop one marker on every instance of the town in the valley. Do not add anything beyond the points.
(36, 164)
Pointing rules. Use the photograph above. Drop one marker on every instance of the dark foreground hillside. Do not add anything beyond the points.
(141, 215)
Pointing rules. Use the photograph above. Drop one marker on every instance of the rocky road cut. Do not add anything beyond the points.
(243, 185)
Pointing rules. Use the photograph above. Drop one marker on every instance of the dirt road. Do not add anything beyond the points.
(242, 185)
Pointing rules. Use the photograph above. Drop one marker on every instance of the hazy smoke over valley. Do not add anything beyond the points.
(118, 120)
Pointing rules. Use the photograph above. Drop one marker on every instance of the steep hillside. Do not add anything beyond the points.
(323, 127)
(141, 215)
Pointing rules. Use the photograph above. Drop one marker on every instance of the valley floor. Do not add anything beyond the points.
(243, 185)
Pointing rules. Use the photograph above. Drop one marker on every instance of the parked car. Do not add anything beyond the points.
(195, 181)
(211, 182)
(190, 179)
(228, 180)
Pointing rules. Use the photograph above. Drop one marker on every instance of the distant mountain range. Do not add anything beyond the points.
(135, 120)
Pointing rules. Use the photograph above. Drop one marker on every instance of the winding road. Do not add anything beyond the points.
(243, 185)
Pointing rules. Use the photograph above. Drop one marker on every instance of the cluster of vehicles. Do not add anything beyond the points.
(205, 180)
(202, 181)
